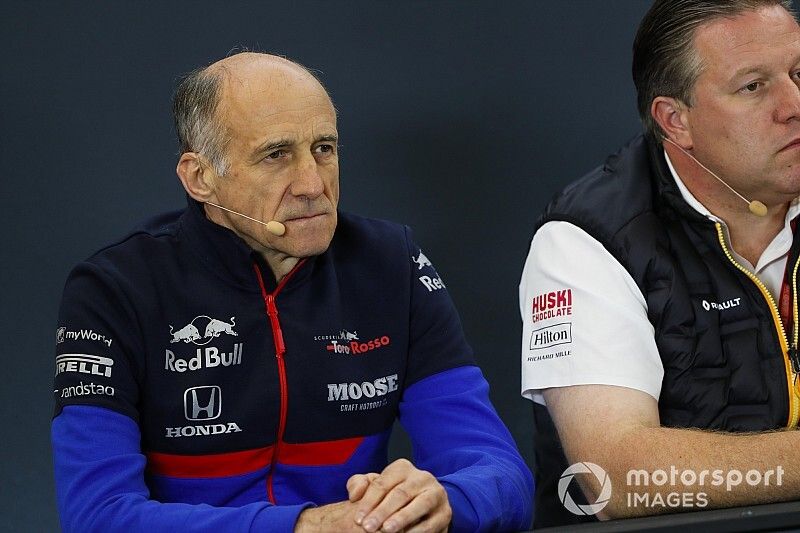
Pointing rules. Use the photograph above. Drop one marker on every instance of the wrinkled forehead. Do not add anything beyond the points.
(262, 89)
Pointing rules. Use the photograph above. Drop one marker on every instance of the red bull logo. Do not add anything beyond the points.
(211, 328)
(421, 260)
(208, 357)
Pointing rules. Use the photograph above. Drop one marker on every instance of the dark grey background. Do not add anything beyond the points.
(458, 118)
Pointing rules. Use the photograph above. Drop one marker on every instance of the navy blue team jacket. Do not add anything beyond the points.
(193, 393)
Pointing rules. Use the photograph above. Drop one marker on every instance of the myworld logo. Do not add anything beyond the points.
(566, 497)
(63, 334)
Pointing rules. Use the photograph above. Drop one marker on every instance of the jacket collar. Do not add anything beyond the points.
(227, 255)
(666, 189)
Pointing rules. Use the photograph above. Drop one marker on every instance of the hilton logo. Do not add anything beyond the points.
(551, 336)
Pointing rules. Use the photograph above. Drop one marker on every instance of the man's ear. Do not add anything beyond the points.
(672, 115)
(197, 177)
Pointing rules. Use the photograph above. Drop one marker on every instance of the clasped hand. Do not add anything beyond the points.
(400, 498)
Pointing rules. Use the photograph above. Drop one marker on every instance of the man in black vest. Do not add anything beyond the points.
(659, 297)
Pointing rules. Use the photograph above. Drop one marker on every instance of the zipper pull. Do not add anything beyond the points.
(272, 311)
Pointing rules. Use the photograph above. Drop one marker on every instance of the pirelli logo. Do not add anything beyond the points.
(83, 363)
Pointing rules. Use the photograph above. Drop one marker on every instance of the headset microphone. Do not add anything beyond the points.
(273, 226)
(755, 207)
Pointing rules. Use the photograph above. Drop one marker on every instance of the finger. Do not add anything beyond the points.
(429, 511)
(396, 499)
(357, 485)
(392, 475)
(416, 483)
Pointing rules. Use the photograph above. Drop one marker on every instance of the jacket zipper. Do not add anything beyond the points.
(280, 351)
(790, 353)
(795, 325)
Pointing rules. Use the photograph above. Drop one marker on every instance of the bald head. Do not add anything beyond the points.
(207, 97)
(244, 63)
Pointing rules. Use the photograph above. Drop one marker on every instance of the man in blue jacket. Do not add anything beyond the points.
(238, 365)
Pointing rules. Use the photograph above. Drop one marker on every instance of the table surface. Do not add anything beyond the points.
(768, 517)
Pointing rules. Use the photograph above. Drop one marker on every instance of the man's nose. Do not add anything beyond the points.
(788, 107)
(307, 180)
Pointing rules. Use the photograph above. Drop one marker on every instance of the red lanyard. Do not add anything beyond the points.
(785, 302)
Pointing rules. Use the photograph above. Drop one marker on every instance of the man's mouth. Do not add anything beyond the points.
(795, 143)
(308, 216)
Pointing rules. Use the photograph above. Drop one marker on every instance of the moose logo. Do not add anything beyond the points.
(211, 328)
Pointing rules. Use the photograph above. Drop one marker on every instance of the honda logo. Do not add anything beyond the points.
(202, 403)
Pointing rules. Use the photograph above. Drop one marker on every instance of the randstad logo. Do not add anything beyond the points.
(211, 328)
(566, 498)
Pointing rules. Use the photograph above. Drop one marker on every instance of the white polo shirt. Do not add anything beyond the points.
(584, 319)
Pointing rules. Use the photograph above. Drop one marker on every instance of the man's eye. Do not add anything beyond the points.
(324, 148)
(277, 154)
(751, 87)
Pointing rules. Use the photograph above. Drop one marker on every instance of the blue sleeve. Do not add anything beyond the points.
(458, 437)
(99, 473)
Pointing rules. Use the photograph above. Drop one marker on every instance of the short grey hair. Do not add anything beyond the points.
(194, 108)
(665, 62)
